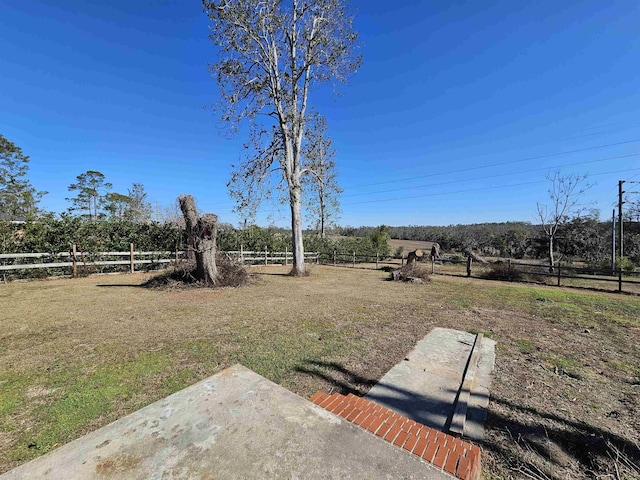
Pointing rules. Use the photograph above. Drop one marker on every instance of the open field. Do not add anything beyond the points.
(76, 354)
(410, 245)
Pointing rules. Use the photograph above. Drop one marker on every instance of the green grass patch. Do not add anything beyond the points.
(524, 345)
(78, 400)
(625, 367)
(565, 365)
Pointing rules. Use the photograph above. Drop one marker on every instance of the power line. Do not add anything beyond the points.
(510, 162)
(616, 130)
(491, 176)
(473, 189)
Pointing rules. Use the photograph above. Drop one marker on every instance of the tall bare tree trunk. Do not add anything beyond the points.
(298, 267)
(551, 259)
(201, 234)
(322, 226)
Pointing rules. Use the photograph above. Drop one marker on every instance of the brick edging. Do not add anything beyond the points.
(454, 456)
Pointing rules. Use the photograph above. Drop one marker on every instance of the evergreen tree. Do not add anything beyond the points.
(18, 198)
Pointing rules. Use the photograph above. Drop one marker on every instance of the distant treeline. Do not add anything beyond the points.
(584, 238)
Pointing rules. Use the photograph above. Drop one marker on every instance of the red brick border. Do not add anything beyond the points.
(457, 457)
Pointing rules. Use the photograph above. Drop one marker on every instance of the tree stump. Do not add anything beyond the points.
(190, 213)
(201, 238)
(414, 256)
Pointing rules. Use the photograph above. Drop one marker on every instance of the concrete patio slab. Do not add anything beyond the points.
(235, 424)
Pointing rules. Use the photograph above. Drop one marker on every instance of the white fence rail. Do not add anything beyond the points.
(75, 259)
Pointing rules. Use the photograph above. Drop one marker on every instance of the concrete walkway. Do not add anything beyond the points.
(425, 385)
(233, 425)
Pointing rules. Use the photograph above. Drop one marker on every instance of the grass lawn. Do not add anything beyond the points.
(76, 354)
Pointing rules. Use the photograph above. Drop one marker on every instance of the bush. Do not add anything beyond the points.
(625, 264)
(501, 271)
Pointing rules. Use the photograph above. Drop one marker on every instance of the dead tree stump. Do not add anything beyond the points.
(190, 213)
(201, 238)
(414, 256)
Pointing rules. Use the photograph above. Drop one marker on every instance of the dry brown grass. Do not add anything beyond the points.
(410, 245)
(78, 353)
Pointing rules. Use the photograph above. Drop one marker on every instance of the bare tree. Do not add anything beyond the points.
(320, 182)
(564, 194)
(271, 54)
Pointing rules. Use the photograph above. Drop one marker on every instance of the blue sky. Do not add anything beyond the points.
(457, 115)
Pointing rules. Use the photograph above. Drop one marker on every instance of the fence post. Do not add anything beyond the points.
(402, 260)
(286, 256)
(317, 258)
(241, 255)
(433, 265)
(266, 261)
(131, 261)
(334, 258)
(619, 279)
(176, 255)
(376, 260)
(469, 260)
(75, 262)
(354, 259)
(559, 275)
(509, 269)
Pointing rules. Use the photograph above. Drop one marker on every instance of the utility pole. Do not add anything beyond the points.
(620, 223)
(613, 241)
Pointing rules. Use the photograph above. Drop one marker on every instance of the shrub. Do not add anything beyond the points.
(625, 264)
(501, 271)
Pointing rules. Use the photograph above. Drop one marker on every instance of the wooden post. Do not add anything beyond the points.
(559, 275)
(131, 261)
(286, 255)
(402, 260)
(509, 270)
(266, 261)
(469, 260)
(376, 260)
(317, 258)
(334, 258)
(241, 254)
(619, 279)
(176, 255)
(75, 262)
(354, 259)
(433, 265)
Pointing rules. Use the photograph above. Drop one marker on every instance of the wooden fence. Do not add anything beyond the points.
(77, 262)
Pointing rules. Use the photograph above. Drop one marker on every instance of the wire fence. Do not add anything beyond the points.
(618, 280)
